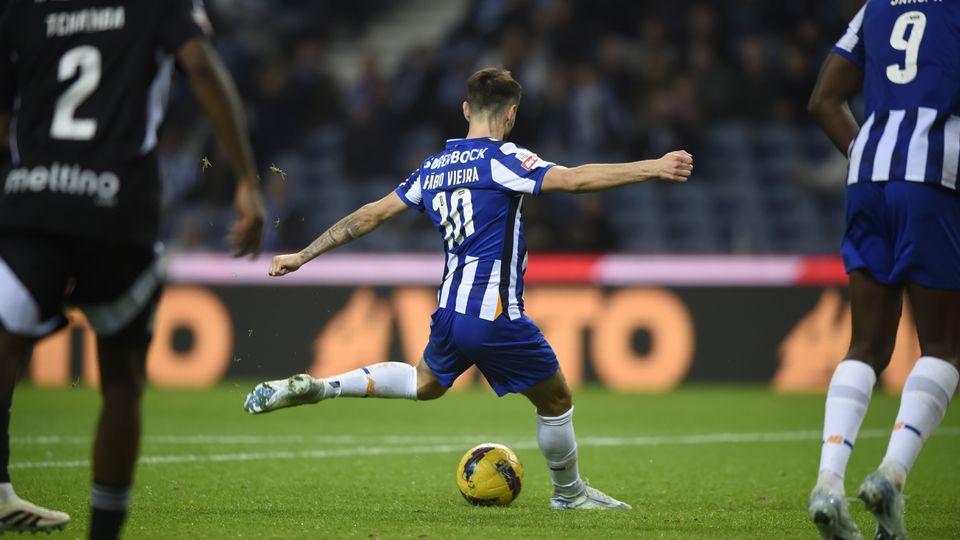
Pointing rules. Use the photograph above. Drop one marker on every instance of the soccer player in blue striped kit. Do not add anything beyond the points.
(903, 235)
(473, 192)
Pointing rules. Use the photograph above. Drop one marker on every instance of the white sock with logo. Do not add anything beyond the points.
(847, 402)
(383, 380)
(926, 395)
(558, 444)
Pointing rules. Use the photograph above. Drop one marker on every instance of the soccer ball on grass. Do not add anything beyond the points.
(490, 474)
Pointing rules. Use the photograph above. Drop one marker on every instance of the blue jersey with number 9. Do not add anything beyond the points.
(473, 192)
(909, 51)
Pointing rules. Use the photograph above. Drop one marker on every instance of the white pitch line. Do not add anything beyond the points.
(60, 440)
(666, 440)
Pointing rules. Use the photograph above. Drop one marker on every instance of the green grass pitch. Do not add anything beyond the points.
(700, 462)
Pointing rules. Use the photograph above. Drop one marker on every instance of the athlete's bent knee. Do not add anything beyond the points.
(875, 355)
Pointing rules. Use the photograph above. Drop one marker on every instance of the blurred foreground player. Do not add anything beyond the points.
(903, 234)
(84, 83)
(473, 191)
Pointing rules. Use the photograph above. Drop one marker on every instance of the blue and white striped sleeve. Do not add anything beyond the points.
(518, 170)
(410, 191)
(850, 45)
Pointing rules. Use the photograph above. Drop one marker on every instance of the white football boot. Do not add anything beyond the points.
(297, 390)
(18, 515)
(589, 499)
(829, 512)
(885, 501)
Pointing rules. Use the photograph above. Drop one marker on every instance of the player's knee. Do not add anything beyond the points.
(944, 350)
(875, 353)
(429, 390)
(557, 404)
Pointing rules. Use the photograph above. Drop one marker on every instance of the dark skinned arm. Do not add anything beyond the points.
(218, 95)
(839, 80)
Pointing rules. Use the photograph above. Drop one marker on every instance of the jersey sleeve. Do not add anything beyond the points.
(518, 170)
(182, 21)
(410, 191)
(850, 45)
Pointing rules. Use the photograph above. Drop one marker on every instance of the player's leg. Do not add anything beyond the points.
(430, 379)
(117, 443)
(876, 312)
(30, 295)
(558, 444)
(396, 380)
(926, 395)
(118, 287)
(514, 357)
(926, 221)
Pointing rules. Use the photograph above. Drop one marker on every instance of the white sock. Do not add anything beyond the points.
(6, 492)
(847, 402)
(383, 380)
(113, 499)
(559, 447)
(926, 395)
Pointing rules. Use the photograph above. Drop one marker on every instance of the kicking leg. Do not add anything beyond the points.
(926, 395)
(558, 444)
(383, 380)
(117, 444)
(876, 314)
(15, 513)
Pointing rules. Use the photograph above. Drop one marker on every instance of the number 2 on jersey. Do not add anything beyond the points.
(457, 223)
(66, 126)
(915, 22)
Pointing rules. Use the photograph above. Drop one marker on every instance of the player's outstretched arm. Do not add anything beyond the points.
(361, 222)
(838, 81)
(675, 166)
(217, 93)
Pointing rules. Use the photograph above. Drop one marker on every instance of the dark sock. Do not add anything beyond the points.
(106, 524)
(109, 510)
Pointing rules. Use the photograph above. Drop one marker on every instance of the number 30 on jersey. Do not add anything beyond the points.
(456, 216)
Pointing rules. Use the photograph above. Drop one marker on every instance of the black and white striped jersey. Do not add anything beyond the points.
(87, 84)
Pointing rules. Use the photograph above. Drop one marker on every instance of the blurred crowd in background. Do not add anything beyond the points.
(604, 80)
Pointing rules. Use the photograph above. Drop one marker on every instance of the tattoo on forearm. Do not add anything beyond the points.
(344, 231)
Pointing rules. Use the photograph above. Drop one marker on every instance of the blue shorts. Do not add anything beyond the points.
(903, 232)
(512, 355)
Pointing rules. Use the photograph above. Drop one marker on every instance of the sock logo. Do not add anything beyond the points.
(837, 439)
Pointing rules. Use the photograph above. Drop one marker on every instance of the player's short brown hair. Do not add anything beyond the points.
(491, 90)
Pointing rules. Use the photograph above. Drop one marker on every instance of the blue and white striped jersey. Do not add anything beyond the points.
(473, 192)
(909, 51)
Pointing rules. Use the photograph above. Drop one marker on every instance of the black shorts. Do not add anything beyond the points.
(117, 285)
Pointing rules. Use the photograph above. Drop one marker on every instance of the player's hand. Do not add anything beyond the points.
(675, 166)
(284, 264)
(246, 229)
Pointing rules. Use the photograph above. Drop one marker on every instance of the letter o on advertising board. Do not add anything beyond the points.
(206, 361)
(665, 317)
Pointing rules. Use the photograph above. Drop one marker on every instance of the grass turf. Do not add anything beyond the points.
(385, 469)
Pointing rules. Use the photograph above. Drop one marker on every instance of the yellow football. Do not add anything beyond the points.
(490, 474)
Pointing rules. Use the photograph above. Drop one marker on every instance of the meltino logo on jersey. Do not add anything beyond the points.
(67, 179)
